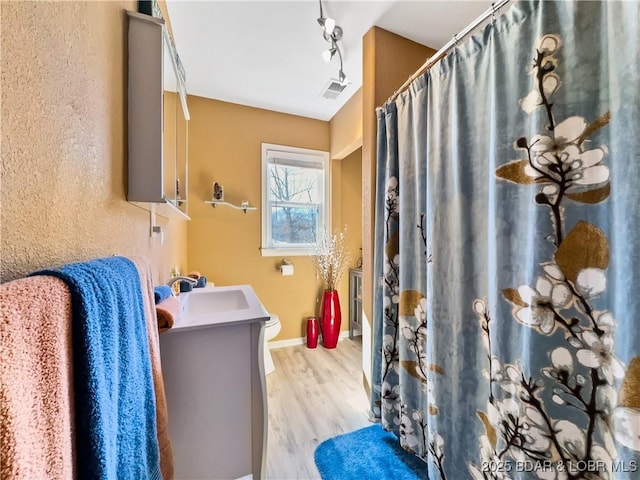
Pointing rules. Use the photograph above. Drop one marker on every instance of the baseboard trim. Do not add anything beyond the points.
(292, 342)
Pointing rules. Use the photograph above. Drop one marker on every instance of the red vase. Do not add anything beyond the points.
(312, 332)
(330, 319)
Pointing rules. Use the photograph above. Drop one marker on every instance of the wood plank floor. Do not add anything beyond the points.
(314, 394)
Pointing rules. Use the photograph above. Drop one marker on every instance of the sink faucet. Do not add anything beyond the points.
(190, 280)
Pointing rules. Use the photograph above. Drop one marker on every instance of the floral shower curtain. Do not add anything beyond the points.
(507, 305)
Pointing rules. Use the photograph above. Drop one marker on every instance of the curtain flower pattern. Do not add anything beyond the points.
(519, 426)
(505, 326)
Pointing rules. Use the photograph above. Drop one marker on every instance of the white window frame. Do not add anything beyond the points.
(300, 156)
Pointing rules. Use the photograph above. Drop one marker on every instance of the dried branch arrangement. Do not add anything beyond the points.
(332, 258)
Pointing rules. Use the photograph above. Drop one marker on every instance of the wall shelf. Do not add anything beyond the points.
(244, 206)
(166, 210)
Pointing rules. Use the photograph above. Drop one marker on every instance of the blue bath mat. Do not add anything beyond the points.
(368, 453)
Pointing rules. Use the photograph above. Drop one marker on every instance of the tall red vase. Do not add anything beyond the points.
(330, 319)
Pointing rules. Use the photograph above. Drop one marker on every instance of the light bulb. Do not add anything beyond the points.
(329, 25)
(327, 55)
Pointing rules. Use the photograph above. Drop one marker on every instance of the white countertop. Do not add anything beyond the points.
(218, 306)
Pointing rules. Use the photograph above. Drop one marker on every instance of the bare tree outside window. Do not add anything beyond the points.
(295, 200)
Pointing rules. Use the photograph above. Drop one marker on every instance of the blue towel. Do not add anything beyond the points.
(162, 292)
(115, 414)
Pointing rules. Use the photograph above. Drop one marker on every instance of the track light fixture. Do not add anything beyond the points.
(332, 33)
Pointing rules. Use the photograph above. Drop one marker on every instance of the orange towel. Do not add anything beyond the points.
(36, 379)
(168, 310)
(162, 418)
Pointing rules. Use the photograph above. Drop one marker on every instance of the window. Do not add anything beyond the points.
(295, 199)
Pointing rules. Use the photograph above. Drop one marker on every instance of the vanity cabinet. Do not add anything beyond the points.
(158, 120)
(215, 385)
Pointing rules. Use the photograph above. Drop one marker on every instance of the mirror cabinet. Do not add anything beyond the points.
(158, 119)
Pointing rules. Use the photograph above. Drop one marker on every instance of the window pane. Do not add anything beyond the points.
(294, 184)
(294, 196)
(297, 226)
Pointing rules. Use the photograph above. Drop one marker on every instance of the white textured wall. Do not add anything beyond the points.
(64, 144)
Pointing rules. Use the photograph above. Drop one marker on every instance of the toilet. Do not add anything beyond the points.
(272, 329)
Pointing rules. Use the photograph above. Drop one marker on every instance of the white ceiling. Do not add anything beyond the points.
(267, 54)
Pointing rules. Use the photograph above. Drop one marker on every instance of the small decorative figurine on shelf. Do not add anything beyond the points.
(218, 192)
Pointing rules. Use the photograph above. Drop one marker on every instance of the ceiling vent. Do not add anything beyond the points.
(332, 89)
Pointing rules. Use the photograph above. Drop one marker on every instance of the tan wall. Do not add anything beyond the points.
(64, 141)
(345, 128)
(337, 224)
(388, 60)
(223, 243)
(351, 202)
(349, 213)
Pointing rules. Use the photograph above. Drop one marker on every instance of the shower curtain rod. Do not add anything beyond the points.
(491, 12)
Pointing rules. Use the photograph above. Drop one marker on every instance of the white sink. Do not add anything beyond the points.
(218, 306)
(216, 301)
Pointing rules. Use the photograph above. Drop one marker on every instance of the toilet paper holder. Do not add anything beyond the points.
(285, 267)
